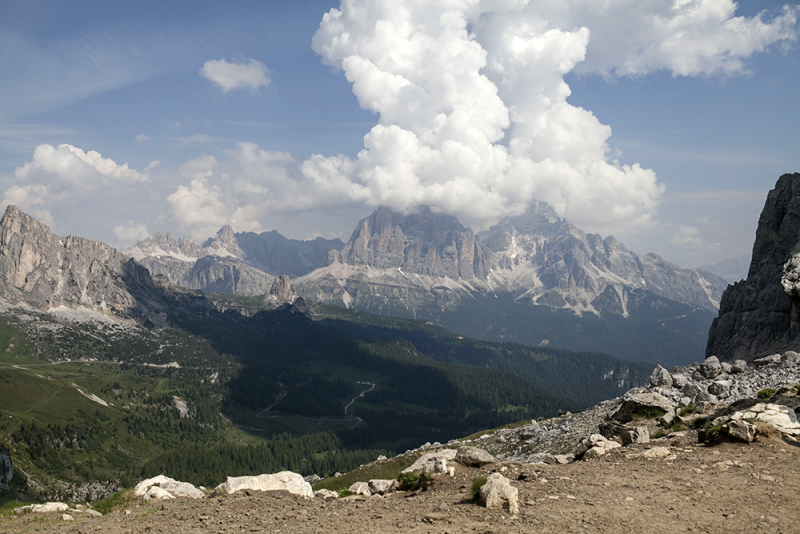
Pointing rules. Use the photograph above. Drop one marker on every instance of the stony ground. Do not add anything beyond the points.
(724, 488)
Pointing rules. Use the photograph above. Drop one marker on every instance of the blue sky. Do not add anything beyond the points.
(465, 110)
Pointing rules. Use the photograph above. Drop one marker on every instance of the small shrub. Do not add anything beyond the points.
(687, 409)
(111, 502)
(712, 433)
(413, 481)
(650, 412)
(659, 433)
(476, 486)
(345, 493)
(766, 393)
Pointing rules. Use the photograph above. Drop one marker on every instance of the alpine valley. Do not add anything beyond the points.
(110, 373)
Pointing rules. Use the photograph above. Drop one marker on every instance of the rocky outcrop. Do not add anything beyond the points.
(47, 271)
(6, 468)
(758, 316)
(425, 243)
(282, 288)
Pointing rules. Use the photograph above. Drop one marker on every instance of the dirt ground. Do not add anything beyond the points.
(723, 488)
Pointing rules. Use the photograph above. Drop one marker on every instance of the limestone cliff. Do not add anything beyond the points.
(756, 316)
(424, 243)
(47, 271)
(557, 264)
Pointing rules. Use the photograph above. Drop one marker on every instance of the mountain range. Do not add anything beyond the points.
(428, 265)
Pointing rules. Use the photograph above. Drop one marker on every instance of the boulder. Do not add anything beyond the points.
(158, 494)
(704, 396)
(595, 446)
(428, 460)
(283, 481)
(656, 452)
(326, 494)
(679, 381)
(382, 487)
(498, 490)
(711, 367)
(781, 417)
(691, 390)
(637, 401)
(174, 487)
(790, 356)
(473, 456)
(660, 378)
(719, 387)
(46, 508)
(530, 430)
(741, 430)
(640, 434)
(360, 488)
(774, 359)
(738, 366)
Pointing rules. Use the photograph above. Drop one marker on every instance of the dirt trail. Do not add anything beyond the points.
(726, 488)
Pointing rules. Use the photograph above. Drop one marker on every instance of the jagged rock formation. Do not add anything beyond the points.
(282, 288)
(423, 243)
(556, 264)
(47, 271)
(757, 316)
(240, 264)
(397, 263)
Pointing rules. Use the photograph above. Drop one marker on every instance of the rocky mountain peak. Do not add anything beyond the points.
(425, 242)
(757, 315)
(47, 271)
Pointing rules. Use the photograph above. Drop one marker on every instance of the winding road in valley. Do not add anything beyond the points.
(265, 412)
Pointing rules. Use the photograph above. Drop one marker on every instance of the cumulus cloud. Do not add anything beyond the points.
(252, 74)
(129, 233)
(141, 138)
(474, 117)
(57, 174)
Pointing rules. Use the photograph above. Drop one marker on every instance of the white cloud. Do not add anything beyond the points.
(129, 233)
(252, 74)
(141, 138)
(474, 117)
(686, 235)
(57, 174)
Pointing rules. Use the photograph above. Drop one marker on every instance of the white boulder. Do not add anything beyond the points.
(283, 481)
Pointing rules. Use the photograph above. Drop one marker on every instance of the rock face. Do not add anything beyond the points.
(6, 468)
(397, 262)
(282, 288)
(235, 263)
(760, 315)
(423, 243)
(47, 271)
(585, 271)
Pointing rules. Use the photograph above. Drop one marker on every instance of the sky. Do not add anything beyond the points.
(661, 122)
